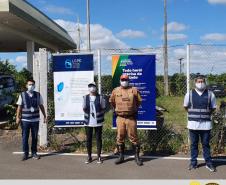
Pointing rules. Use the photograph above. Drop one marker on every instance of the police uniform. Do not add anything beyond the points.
(125, 102)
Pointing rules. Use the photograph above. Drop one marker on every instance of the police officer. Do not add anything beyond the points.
(27, 116)
(200, 104)
(94, 106)
(125, 100)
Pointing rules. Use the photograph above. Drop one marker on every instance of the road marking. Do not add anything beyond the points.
(127, 156)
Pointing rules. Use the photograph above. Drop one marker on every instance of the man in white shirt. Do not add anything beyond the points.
(200, 103)
(29, 103)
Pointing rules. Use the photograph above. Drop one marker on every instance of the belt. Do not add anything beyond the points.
(127, 116)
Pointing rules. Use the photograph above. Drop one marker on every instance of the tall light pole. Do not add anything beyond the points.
(88, 25)
(165, 53)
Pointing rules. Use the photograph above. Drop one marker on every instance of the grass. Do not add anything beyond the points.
(175, 115)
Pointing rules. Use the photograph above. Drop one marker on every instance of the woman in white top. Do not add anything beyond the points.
(94, 108)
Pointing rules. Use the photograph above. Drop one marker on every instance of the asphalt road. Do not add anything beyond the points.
(73, 167)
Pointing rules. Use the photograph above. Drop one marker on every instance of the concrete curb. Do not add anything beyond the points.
(112, 155)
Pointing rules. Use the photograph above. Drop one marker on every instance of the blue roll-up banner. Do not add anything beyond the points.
(72, 73)
(141, 71)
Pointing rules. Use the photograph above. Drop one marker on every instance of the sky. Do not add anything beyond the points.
(136, 23)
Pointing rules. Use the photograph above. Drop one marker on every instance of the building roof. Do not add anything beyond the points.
(21, 22)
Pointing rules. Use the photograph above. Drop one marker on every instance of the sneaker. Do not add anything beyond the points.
(89, 160)
(192, 167)
(211, 168)
(24, 158)
(99, 160)
(35, 156)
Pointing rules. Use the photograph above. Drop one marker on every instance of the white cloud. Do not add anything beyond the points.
(176, 27)
(177, 36)
(21, 59)
(58, 10)
(180, 52)
(217, 1)
(100, 37)
(214, 37)
(132, 34)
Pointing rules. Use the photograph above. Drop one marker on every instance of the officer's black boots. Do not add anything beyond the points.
(121, 149)
(137, 157)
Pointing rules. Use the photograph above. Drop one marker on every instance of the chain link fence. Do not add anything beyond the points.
(171, 135)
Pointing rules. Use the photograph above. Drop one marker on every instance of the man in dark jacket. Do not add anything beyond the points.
(200, 104)
(28, 117)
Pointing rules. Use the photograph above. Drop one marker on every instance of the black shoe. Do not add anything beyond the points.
(24, 158)
(138, 161)
(35, 156)
(89, 160)
(211, 168)
(99, 160)
(121, 150)
(192, 167)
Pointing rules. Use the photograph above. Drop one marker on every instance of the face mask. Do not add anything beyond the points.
(92, 89)
(200, 86)
(124, 83)
(30, 88)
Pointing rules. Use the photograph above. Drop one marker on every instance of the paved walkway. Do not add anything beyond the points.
(52, 166)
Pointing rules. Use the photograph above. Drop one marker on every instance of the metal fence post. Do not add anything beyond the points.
(99, 70)
(188, 84)
(188, 67)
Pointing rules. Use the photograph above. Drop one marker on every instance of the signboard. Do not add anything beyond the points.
(141, 71)
(72, 73)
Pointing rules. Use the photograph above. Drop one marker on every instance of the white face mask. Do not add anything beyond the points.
(30, 88)
(92, 89)
(200, 86)
(124, 83)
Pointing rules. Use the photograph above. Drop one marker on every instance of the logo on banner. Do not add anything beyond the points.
(60, 86)
(72, 63)
(126, 62)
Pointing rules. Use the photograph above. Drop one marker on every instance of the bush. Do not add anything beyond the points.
(178, 84)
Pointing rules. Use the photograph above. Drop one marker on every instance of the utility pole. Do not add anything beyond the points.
(165, 53)
(88, 24)
(78, 30)
(180, 61)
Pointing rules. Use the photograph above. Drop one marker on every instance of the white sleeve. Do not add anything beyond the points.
(213, 101)
(186, 100)
(19, 101)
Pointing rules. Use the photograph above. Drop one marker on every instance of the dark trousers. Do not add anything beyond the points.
(89, 135)
(26, 128)
(205, 139)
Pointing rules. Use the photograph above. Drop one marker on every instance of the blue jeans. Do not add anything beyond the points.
(205, 139)
(26, 127)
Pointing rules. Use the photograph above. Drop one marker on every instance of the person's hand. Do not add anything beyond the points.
(18, 120)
